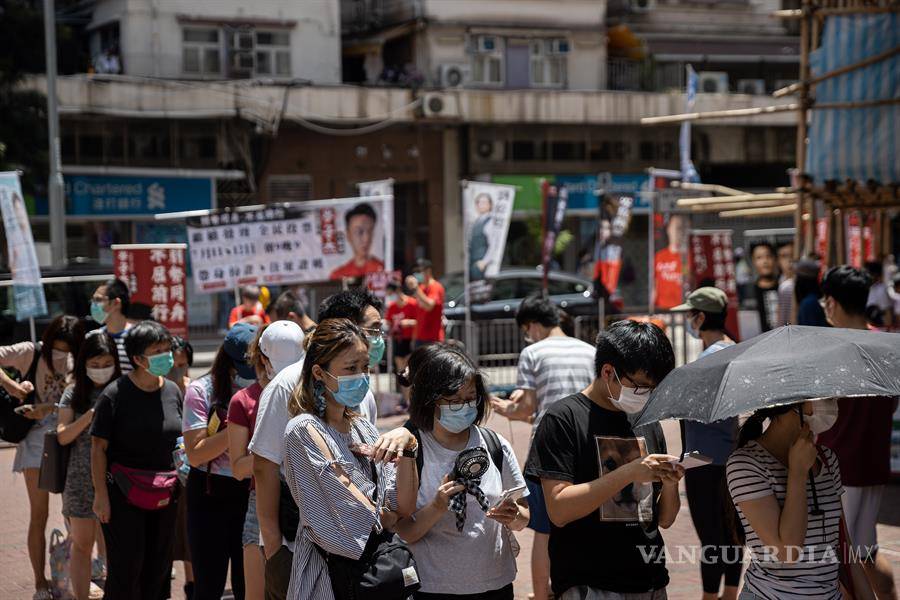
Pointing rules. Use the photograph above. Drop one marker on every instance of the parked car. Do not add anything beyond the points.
(507, 290)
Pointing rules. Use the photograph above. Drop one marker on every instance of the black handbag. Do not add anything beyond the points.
(54, 464)
(288, 513)
(13, 426)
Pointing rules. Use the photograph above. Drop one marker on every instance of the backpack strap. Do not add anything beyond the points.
(420, 457)
(32, 370)
(494, 448)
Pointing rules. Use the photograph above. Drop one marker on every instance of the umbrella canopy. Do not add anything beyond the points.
(783, 366)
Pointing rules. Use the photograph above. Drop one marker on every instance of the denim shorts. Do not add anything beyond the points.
(251, 523)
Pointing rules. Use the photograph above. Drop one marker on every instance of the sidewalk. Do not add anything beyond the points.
(16, 579)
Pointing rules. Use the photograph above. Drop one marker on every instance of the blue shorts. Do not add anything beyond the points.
(540, 520)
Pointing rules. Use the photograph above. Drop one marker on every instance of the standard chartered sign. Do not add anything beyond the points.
(118, 195)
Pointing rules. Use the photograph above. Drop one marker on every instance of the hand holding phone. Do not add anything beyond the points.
(692, 459)
(513, 494)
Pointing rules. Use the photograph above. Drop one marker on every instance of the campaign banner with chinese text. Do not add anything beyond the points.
(156, 277)
(487, 210)
(28, 291)
(303, 242)
(711, 263)
(615, 216)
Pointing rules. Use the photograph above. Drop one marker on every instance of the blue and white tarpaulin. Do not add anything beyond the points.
(860, 143)
(688, 172)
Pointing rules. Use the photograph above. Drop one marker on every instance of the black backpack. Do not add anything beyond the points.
(13, 426)
(494, 449)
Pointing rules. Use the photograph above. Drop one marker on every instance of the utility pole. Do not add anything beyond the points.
(55, 182)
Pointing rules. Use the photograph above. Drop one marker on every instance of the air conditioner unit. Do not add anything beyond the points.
(442, 106)
(454, 75)
(712, 82)
(559, 46)
(753, 87)
(485, 43)
(642, 6)
(491, 150)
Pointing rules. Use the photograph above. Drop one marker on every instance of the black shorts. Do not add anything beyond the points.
(402, 348)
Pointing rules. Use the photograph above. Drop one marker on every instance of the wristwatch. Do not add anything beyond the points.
(413, 453)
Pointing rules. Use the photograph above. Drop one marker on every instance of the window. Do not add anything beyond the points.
(200, 51)
(548, 62)
(273, 53)
(487, 67)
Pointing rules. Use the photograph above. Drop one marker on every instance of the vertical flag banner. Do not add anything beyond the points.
(156, 277)
(854, 240)
(608, 246)
(555, 204)
(487, 211)
(688, 172)
(309, 241)
(711, 262)
(670, 231)
(28, 292)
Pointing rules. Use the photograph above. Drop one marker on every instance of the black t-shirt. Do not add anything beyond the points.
(619, 547)
(142, 428)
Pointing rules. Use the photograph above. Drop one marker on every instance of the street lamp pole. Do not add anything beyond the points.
(55, 181)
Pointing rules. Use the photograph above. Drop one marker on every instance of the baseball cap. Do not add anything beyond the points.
(706, 299)
(282, 343)
(235, 346)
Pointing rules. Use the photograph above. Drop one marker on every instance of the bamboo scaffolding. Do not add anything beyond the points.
(720, 114)
(787, 209)
(736, 205)
(707, 187)
(795, 87)
(687, 202)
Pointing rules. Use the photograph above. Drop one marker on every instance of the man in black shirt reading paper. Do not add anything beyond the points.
(609, 487)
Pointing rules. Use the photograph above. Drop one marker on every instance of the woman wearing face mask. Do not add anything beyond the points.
(183, 355)
(328, 467)
(707, 309)
(780, 510)
(137, 422)
(462, 519)
(51, 364)
(216, 501)
(275, 347)
(96, 365)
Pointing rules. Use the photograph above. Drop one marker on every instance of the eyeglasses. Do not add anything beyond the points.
(639, 390)
(373, 332)
(456, 405)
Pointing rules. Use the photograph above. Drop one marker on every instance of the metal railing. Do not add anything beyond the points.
(644, 75)
(496, 344)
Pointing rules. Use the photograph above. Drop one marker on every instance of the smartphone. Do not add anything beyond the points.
(513, 494)
(693, 459)
(22, 410)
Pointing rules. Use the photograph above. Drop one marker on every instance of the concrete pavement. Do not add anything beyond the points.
(16, 579)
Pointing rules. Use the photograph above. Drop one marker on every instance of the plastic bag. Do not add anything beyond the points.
(60, 552)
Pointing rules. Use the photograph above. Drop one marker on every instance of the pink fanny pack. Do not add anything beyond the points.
(149, 490)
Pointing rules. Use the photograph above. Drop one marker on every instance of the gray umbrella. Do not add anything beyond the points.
(783, 366)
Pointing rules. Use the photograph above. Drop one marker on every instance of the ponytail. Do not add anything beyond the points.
(752, 429)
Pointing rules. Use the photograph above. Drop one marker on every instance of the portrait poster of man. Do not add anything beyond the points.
(487, 209)
(634, 502)
(669, 260)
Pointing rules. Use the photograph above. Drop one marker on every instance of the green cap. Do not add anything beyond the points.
(706, 299)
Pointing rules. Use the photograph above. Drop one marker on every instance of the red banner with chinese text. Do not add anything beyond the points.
(711, 262)
(156, 277)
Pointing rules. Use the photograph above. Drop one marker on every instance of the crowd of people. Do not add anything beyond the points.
(269, 471)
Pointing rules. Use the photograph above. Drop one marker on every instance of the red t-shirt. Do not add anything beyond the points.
(861, 438)
(242, 410)
(668, 278)
(429, 323)
(238, 313)
(350, 268)
(396, 313)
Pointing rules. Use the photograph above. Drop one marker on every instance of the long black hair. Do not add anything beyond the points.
(97, 343)
(222, 373)
(443, 371)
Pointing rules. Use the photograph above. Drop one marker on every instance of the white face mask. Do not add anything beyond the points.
(825, 414)
(627, 401)
(689, 327)
(61, 361)
(102, 375)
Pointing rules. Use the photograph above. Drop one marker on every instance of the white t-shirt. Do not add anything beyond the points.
(555, 367)
(272, 417)
(878, 296)
(752, 472)
(478, 559)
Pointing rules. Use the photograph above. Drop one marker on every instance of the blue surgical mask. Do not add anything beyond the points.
(160, 364)
(691, 330)
(376, 350)
(457, 420)
(97, 312)
(420, 277)
(352, 389)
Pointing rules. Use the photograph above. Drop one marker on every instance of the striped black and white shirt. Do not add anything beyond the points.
(753, 473)
(555, 367)
(119, 338)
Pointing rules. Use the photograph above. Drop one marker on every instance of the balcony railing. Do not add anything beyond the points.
(644, 75)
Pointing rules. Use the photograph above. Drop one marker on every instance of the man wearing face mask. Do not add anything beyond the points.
(707, 308)
(609, 487)
(272, 416)
(862, 435)
(109, 305)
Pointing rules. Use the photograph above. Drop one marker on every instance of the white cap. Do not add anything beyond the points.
(282, 343)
